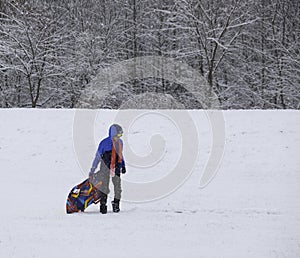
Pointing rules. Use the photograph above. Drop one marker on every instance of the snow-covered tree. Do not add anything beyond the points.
(35, 53)
(247, 50)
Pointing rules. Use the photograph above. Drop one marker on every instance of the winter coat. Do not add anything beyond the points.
(104, 152)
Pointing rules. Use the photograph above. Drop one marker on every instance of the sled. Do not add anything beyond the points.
(83, 195)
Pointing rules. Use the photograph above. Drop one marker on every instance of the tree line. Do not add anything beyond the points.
(248, 51)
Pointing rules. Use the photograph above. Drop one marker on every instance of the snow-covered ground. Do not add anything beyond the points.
(251, 208)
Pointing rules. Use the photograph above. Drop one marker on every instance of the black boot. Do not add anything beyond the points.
(115, 205)
(103, 208)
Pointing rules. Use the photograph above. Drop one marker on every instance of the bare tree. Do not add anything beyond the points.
(247, 50)
(35, 45)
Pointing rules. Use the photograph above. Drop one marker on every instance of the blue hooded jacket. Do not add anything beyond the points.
(106, 146)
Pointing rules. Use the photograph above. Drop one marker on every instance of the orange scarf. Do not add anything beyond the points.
(113, 157)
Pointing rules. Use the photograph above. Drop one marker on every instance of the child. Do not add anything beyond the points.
(110, 152)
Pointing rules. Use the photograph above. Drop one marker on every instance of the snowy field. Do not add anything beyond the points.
(251, 208)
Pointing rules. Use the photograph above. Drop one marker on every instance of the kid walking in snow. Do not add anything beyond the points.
(110, 153)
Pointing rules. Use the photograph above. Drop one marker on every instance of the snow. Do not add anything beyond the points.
(251, 207)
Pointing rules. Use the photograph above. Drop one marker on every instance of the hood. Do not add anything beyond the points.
(114, 130)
